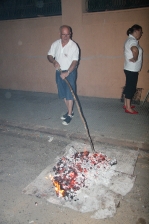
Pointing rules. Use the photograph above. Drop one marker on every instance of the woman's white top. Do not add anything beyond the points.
(128, 65)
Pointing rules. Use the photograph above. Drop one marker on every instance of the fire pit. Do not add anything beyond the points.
(76, 170)
(87, 181)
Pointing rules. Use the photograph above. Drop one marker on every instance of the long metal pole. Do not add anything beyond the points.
(82, 117)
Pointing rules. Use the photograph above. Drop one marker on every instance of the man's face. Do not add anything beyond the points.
(65, 35)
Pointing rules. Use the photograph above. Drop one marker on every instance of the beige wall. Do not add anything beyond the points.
(24, 45)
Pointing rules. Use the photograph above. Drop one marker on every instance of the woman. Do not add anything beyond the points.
(132, 65)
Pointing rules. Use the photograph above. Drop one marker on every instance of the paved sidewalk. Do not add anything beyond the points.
(106, 119)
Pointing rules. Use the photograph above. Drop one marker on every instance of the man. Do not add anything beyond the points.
(64, 55)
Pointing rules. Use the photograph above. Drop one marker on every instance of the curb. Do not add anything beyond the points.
(137, 145)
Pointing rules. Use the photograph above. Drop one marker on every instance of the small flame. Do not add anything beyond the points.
(58, 189)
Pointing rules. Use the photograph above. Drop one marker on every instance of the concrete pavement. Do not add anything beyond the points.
(106, 119)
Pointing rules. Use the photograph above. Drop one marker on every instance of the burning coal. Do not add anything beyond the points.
(73, 172)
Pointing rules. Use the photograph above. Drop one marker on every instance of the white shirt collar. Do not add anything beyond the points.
(132, 36)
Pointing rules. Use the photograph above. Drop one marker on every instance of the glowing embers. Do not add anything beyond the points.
(77, 170)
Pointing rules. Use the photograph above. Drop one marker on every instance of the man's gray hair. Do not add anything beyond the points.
(65, 26)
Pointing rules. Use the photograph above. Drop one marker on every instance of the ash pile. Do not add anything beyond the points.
(78, 170)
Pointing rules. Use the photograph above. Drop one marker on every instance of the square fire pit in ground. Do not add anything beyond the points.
(86, 181)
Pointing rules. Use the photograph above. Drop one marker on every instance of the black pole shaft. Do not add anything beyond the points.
(82, 117)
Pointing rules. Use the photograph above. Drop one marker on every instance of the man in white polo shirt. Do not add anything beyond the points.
(64, 55)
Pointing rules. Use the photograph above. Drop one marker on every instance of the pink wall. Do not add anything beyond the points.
(24, 45)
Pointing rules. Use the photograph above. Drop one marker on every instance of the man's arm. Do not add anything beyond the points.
(135, 53)
(53, 61)
(70, 69)
(72, 66)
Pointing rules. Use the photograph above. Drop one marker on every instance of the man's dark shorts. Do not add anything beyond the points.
(63, 88)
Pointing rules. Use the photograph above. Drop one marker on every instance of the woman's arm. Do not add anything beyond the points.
(135, 53)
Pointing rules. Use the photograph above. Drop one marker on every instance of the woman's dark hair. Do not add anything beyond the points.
(133, 28)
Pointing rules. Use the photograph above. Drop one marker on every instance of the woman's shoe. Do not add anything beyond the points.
(124, 107)
(134, 112)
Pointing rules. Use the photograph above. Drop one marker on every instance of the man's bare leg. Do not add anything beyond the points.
(69, 105)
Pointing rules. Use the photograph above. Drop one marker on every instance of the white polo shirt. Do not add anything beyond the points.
(128, 65)
(64, 55)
